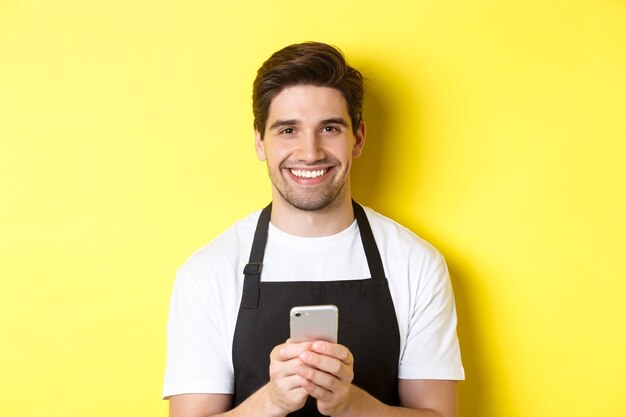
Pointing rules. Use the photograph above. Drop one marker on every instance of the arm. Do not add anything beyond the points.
(214, 405)
(279, 397)
(199, 405)
(437, 395)
(299, 369)
(419, 398)
(327, 375)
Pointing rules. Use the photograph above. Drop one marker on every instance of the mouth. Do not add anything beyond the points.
(308, 176)
(307, 173)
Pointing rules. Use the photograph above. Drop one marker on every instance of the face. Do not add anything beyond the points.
(309, 145)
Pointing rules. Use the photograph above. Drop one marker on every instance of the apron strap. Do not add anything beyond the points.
(252, 271)
(369, 243)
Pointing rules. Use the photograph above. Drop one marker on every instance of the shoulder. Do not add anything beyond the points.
(393, 237)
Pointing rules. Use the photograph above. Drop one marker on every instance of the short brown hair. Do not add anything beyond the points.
(309, 63)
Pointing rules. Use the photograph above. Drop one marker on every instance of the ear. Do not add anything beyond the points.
(359, 141)
(259, 146)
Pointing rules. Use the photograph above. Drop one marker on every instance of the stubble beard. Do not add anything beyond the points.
(323, 197)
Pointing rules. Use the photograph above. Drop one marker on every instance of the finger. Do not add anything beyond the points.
(288, 351)
(328, 364)
(316, 391)
(282, 369)
(332, 395)
(288, 393)
(319, 378)
(289, 383)
(335, 350)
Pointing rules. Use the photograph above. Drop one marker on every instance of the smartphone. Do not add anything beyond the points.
(309, 323)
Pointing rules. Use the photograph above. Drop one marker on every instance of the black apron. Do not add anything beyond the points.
(367, 321)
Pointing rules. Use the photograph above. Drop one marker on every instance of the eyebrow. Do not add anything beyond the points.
(279, 123)
(336, 121)
(294, 122)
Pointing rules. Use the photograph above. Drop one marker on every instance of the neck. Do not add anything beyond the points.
(314, 223)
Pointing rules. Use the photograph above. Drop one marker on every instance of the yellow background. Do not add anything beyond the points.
(497, 132)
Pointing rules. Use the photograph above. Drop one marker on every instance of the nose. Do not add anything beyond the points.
(310, 148)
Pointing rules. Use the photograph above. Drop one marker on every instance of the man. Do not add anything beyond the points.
(228, 353)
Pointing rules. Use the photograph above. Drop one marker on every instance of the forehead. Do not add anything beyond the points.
(308, 103)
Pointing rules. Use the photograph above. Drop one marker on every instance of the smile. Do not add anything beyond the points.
(302, 173)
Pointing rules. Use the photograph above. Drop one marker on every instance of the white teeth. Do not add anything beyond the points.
(301, 173)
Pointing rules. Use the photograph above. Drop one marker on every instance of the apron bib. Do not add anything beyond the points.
(367, 321)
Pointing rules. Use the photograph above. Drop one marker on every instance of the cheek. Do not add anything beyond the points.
(276, 156)
(280, 153)
(342, 152)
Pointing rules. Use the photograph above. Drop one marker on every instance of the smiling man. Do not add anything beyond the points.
(309, 145)
(228, 350)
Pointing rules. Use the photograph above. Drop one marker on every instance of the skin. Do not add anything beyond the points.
(308, 129)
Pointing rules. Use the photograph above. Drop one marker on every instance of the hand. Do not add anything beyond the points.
(284, 389)
(327, 373)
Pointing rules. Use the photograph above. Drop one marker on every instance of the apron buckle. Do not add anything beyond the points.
(253, 268)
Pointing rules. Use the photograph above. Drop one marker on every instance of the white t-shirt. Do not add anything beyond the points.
(208, 287)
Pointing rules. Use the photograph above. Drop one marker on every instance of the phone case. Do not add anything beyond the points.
(318, 322)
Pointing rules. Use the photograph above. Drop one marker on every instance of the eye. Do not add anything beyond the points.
(287, 131)
(331, 129)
